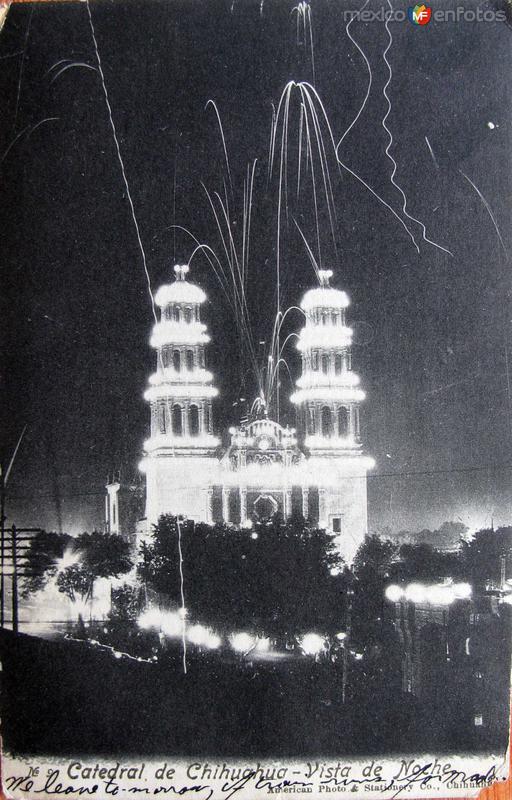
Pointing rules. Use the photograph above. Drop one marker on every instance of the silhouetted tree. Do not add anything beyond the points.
(422, 562)
(42, 559)
(275, 579)
(485, 554)
(372, 565)
(99, 555)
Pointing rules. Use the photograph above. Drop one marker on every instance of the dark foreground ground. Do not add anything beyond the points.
(64, 697)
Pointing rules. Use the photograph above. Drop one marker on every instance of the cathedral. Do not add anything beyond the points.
(317, 469)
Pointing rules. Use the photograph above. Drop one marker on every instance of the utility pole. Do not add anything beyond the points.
(503, 571)
(14, 580)
(346, 642)
(4, 477)
(2, 546)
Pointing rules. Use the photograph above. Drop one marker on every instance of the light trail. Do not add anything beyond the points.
(370, 75)
(390, 135)
(434, 159)
(146, 271)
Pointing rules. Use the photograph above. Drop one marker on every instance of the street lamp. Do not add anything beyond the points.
(394, 593)
(242, 642)
(312, 644)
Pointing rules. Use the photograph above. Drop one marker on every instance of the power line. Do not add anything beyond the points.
(370, 476)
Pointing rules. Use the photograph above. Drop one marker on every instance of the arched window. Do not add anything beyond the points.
(207, 418)
(188, 314)
(326, 421)
(161, 419)
(334, 318)
(325, 317)
(165, 356)
(338, 363)
(314, 360)
(176, 420)
(190, 360)
(325, 364)
(176, 360)
(343, 421)
(168, 312)
(193, 421)
(176, 313)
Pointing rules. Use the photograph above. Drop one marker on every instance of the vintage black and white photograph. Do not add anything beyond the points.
(256, 467)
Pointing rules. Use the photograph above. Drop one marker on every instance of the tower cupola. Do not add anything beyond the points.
(328, 393)
(181, 389)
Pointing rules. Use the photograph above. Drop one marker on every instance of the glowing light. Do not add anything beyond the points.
(68, 559)
(491, 125)
(416, 593)
(197, 634)
(332, 442)
(254, 535)
(171, 624)
(341, 636)
(462, 591)
(179, 292)
(184, 391)
(394, 593)
(333, 393)
(167, 440)
(310, 378)
(440, 595)
(324, 337)
(242, 642)
(167, 332)
(324, 297)
(202, 637)
(213, 641)
(151, 618)
(262, 645)
(312, 644)
(169, 375)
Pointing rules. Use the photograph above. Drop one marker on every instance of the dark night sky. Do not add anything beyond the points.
(76, 315)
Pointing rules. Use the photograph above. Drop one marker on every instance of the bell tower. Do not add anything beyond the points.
(328, 397)
(181, 451)
(328, 393)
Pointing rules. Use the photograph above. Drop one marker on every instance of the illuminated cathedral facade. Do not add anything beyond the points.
(317, 469)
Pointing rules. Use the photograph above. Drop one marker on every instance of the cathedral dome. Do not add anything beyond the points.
(181, 291)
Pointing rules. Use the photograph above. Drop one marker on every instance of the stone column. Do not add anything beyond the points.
(287, 504)
(201, 418)
(184, 420)
(209, 506)
(243, 505)
(305, 502)
(225, 504)
(322, 520)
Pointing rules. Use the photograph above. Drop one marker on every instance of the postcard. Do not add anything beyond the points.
(256, 498)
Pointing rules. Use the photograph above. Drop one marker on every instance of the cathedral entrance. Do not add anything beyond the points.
(265, 506)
